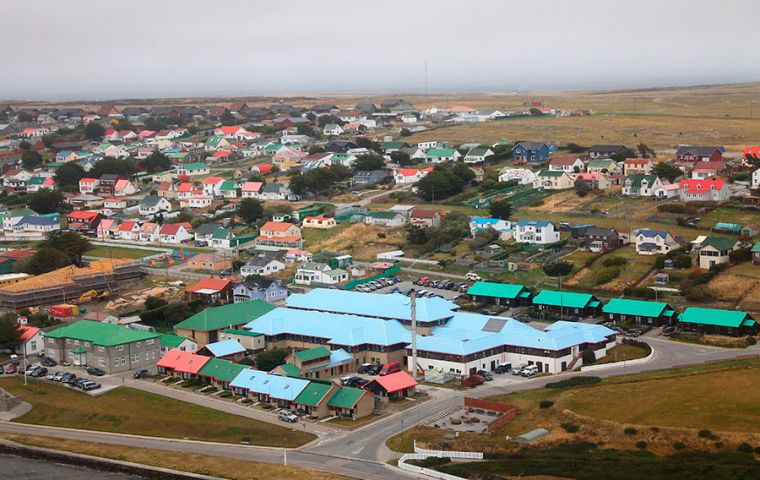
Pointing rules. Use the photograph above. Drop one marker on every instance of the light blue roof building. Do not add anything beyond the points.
(258, 382)
(224, 348)
(393, 306)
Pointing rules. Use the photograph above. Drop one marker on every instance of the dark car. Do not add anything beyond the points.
(95, 371)
(140, 373)
(38, 372)
(68, 377)
(78, 382)
(374, 369)
(357, 382)
(503, 368)
(48, 362)
(486, 375)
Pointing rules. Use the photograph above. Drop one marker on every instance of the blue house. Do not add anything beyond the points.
(531, 152)
(259, 288)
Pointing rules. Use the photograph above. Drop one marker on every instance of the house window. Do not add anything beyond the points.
(34, 345)
(101, 362)
(51, 340)
(120, 348)
(134, 358)
(150, 341)
(101, 349)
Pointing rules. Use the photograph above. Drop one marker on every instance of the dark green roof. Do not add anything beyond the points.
(169, 340)
(290, 370)
(496, 290)
(756, 248)
(637, 178)
(346, 397)
(226, 316)
(103, 334)
(563, 299)
(312, 353)
(313, 394)
(551, 173)
(719, 243)
(245, 333)
(624, 306)
(715, 317)
(222, 370)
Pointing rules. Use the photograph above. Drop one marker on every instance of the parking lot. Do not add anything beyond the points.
(77, 376)
(406, 285)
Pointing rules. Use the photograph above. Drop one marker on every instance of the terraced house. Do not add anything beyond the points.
(112, 348)
(502, 294)
(654, 314)
(568, 304)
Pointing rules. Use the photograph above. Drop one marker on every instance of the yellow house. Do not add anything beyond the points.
(319, 222)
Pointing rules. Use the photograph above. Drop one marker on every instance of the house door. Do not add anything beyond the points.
(473, 371)
(493, 365)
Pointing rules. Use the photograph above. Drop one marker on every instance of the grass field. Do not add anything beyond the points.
(637, 266)
(729, 214)
(117, 252)
(664, 406)
(126, 410)
(622, 352)
(186, 462)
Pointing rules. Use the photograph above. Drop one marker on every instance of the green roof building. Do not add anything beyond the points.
(504, 294)
(352, 403)
(204, 326)
(572, 304)
(717, 322)
(110, 347)
(220, 372)
(639, 311)
(313, 398)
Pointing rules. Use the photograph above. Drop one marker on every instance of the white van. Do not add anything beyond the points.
(473, 277)
(529, 371)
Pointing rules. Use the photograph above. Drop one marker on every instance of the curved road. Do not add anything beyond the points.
(362, 452)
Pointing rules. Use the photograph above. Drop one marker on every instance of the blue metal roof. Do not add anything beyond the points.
(225, 347)
(338, 329)
(276, 386)
(651, 233)
(389, 306)
(465, 334)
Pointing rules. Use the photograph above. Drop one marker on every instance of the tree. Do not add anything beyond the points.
(114, 166)
(69, 174)
(251, 210)
(535, 112)
(620, 156)
(582, 187)
(367, 143)
(157, 162)
(444, 181)
(484, 237)
(417, 235)
(71, 244)
(316, 149)
(10, 334)
(44, 260)
(177, 312)
(319, 180)
(401, 158)
(405, 132)
(500, 209)
(369, 162)
(575, 148)
(645, 151)
(31, 159)
(558, 269)
(45, 201)
(94, 130)
(154, 302)
(269, 359)
(327, 119)
(667, 170)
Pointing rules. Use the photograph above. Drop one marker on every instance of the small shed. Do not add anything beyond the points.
(749, 231)
(662, 279)
(723, 227)
(532, 435)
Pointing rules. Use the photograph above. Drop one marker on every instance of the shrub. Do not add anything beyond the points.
(225, 394)
(704, 433)
(718, 444)
(614, 261)
(570, 427)
(545, 404)
(641, 445)
(654, 429)
(751, 341)
(588, 356)
(757, 449)
(745, 448)
(630, 431)
(606, 275)
(679, 445)
(574, 382)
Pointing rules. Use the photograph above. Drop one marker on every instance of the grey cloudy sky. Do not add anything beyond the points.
(94, 49)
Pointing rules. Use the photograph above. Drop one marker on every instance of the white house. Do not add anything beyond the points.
(320, 273)
(478, 155)
(262, 266)
(569, 164)
(174, 233)
(756, 178)
(537, 232)
(212, 185)
(502, 227)
(153, 204)
(32, 341)
(332, 129)
(653, 242)
(404, 176)
(440, 155)
(523, 176)
(704, 190)
(642, 185)
(553, 180)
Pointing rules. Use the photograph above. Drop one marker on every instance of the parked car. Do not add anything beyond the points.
(518, 370)
(529, 371)
(68, 378)
(365, 368)
(51, 376)
(48, 362)
(473, 277)
(140, 373)
(96, 371)
(10, 368)
(390, 367)
(357, 382)
(39, 372)
(90, 385)
(503, 368)
(486, 375)
(287, 416)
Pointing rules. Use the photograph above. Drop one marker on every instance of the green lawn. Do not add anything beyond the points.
(315, 235)
(118, 252)
(126, 410)
(622, 352)
(729, 215)
(630, 272)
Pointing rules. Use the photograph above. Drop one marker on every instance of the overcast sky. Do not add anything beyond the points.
(93, 49)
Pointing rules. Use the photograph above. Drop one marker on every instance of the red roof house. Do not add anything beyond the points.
(395, 385)
(181, 362)
(211, 289)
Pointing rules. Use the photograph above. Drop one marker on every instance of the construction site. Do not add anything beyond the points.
(100, 279)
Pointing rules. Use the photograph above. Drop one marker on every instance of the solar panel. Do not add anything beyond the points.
(494, 325)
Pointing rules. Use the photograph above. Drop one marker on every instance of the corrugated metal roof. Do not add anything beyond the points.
(276, 386)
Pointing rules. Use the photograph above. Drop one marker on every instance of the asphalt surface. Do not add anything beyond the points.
(362, 452)
(21, 468)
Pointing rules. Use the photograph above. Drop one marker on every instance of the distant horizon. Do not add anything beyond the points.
(353, 94)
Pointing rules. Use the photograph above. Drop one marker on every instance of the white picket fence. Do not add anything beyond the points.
(423, 453)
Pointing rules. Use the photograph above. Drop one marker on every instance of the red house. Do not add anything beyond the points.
(699, 154)
(211, 290)
(84, 222)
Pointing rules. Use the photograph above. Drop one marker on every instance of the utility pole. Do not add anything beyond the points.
(413, 299)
